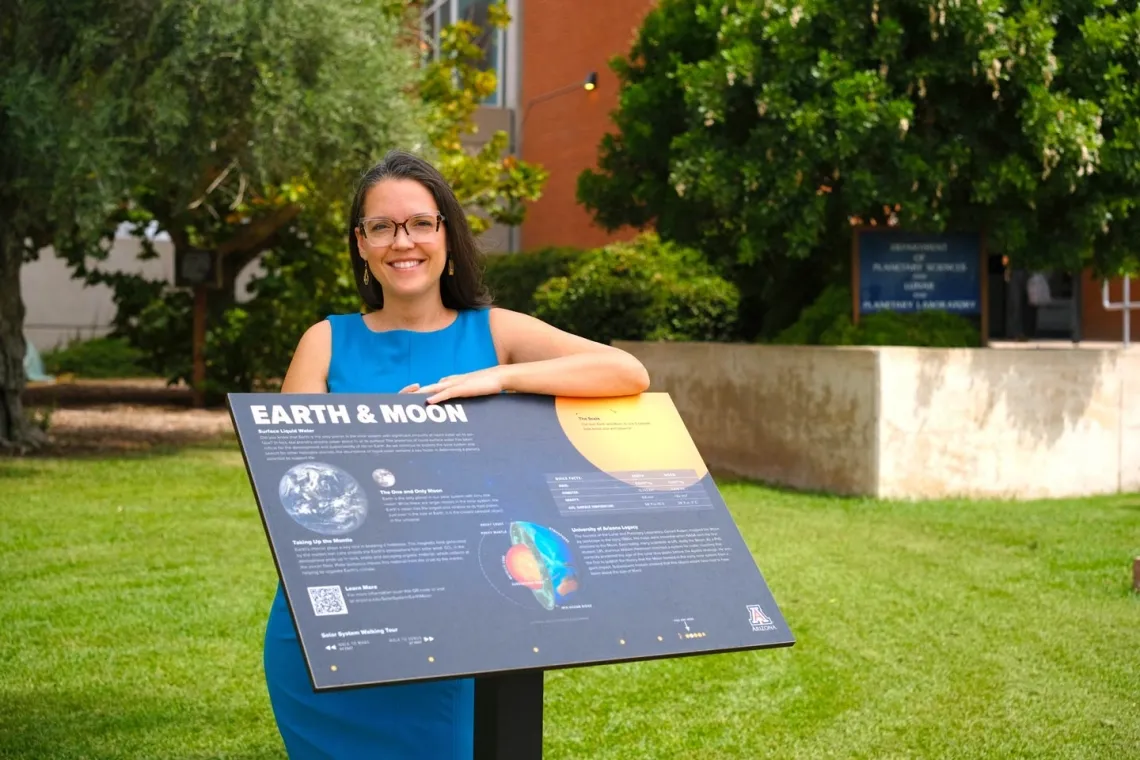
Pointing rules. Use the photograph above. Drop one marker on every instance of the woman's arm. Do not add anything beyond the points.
(540, 358)
(535, 357)
(309, 369)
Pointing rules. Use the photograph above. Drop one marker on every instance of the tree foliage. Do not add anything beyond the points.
(255, 108)
(303, 271)
(762, 131)
(63, 156)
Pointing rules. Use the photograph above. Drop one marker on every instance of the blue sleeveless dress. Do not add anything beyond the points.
(429, 721)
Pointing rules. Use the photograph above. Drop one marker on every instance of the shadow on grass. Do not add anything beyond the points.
(95, 392)
(61, 725)
(118, 429)
(131, 449)
(18, 466)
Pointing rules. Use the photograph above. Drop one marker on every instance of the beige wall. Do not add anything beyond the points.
(60, 308)
(760, 413)
(1007, 423)
(1130, 421)
(910, 423)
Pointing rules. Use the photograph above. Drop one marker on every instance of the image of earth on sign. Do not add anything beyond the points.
(540, 560)
(323, 498)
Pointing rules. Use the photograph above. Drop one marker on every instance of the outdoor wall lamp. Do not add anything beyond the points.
(589, 84)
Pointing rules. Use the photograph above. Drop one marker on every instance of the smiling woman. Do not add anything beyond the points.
(406, 219)
(429, 329)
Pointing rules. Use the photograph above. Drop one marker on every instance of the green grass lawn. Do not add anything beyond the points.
(135, 590)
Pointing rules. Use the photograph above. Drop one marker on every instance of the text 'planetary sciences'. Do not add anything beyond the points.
(331, 414)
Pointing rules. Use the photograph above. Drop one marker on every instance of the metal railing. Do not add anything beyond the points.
(1125, 305)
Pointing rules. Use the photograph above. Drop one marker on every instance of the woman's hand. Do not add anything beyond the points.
(537, 358)
(484, 382)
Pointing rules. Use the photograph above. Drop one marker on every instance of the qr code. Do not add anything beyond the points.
(327, 600)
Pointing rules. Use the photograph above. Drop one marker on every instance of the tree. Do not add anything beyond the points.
(263, 102)
(761, 132)
(304, 272)
(62, 162)
(258, 108)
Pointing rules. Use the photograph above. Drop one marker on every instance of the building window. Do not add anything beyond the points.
(441, 13)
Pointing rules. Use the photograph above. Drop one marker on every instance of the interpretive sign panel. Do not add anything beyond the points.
(907, 271)
(496, 534)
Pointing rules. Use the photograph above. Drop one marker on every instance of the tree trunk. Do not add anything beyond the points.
(15, 430)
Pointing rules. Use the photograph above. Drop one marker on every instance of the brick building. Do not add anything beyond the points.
(544, 61)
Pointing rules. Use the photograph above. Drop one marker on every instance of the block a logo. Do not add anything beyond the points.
(758, 620)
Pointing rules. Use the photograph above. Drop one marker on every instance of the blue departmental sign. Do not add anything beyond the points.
(909, 272)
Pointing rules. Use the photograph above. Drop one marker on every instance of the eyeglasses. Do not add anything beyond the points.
(381, 232)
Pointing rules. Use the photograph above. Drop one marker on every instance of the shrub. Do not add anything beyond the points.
(936, 329)
(640, 290)
(96, 358)
(827, 322)
(513, 278)
(823, 322)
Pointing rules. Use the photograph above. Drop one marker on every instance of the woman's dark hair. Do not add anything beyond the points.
(462, 290)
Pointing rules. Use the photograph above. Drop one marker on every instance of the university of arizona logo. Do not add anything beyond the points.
(758, 620)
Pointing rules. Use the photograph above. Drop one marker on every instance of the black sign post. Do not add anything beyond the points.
(508, 716)
(496, 538)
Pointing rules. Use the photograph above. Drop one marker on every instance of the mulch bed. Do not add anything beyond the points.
(76, 393)
(122, 416)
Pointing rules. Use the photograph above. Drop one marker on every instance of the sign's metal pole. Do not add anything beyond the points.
(1126, 303)
(1125, 306)
(508, 716)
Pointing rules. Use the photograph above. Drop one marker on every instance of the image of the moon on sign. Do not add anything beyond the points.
(384, 478)
(540, 560)
(323, 498)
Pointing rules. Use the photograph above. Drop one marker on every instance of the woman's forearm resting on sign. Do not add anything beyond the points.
(594, 373)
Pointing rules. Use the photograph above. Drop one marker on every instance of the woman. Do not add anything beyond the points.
(429, 330)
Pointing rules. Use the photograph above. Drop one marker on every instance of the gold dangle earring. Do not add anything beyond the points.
(451, 266)
(367, 273)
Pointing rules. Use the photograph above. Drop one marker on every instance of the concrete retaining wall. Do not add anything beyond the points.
(909, 423)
